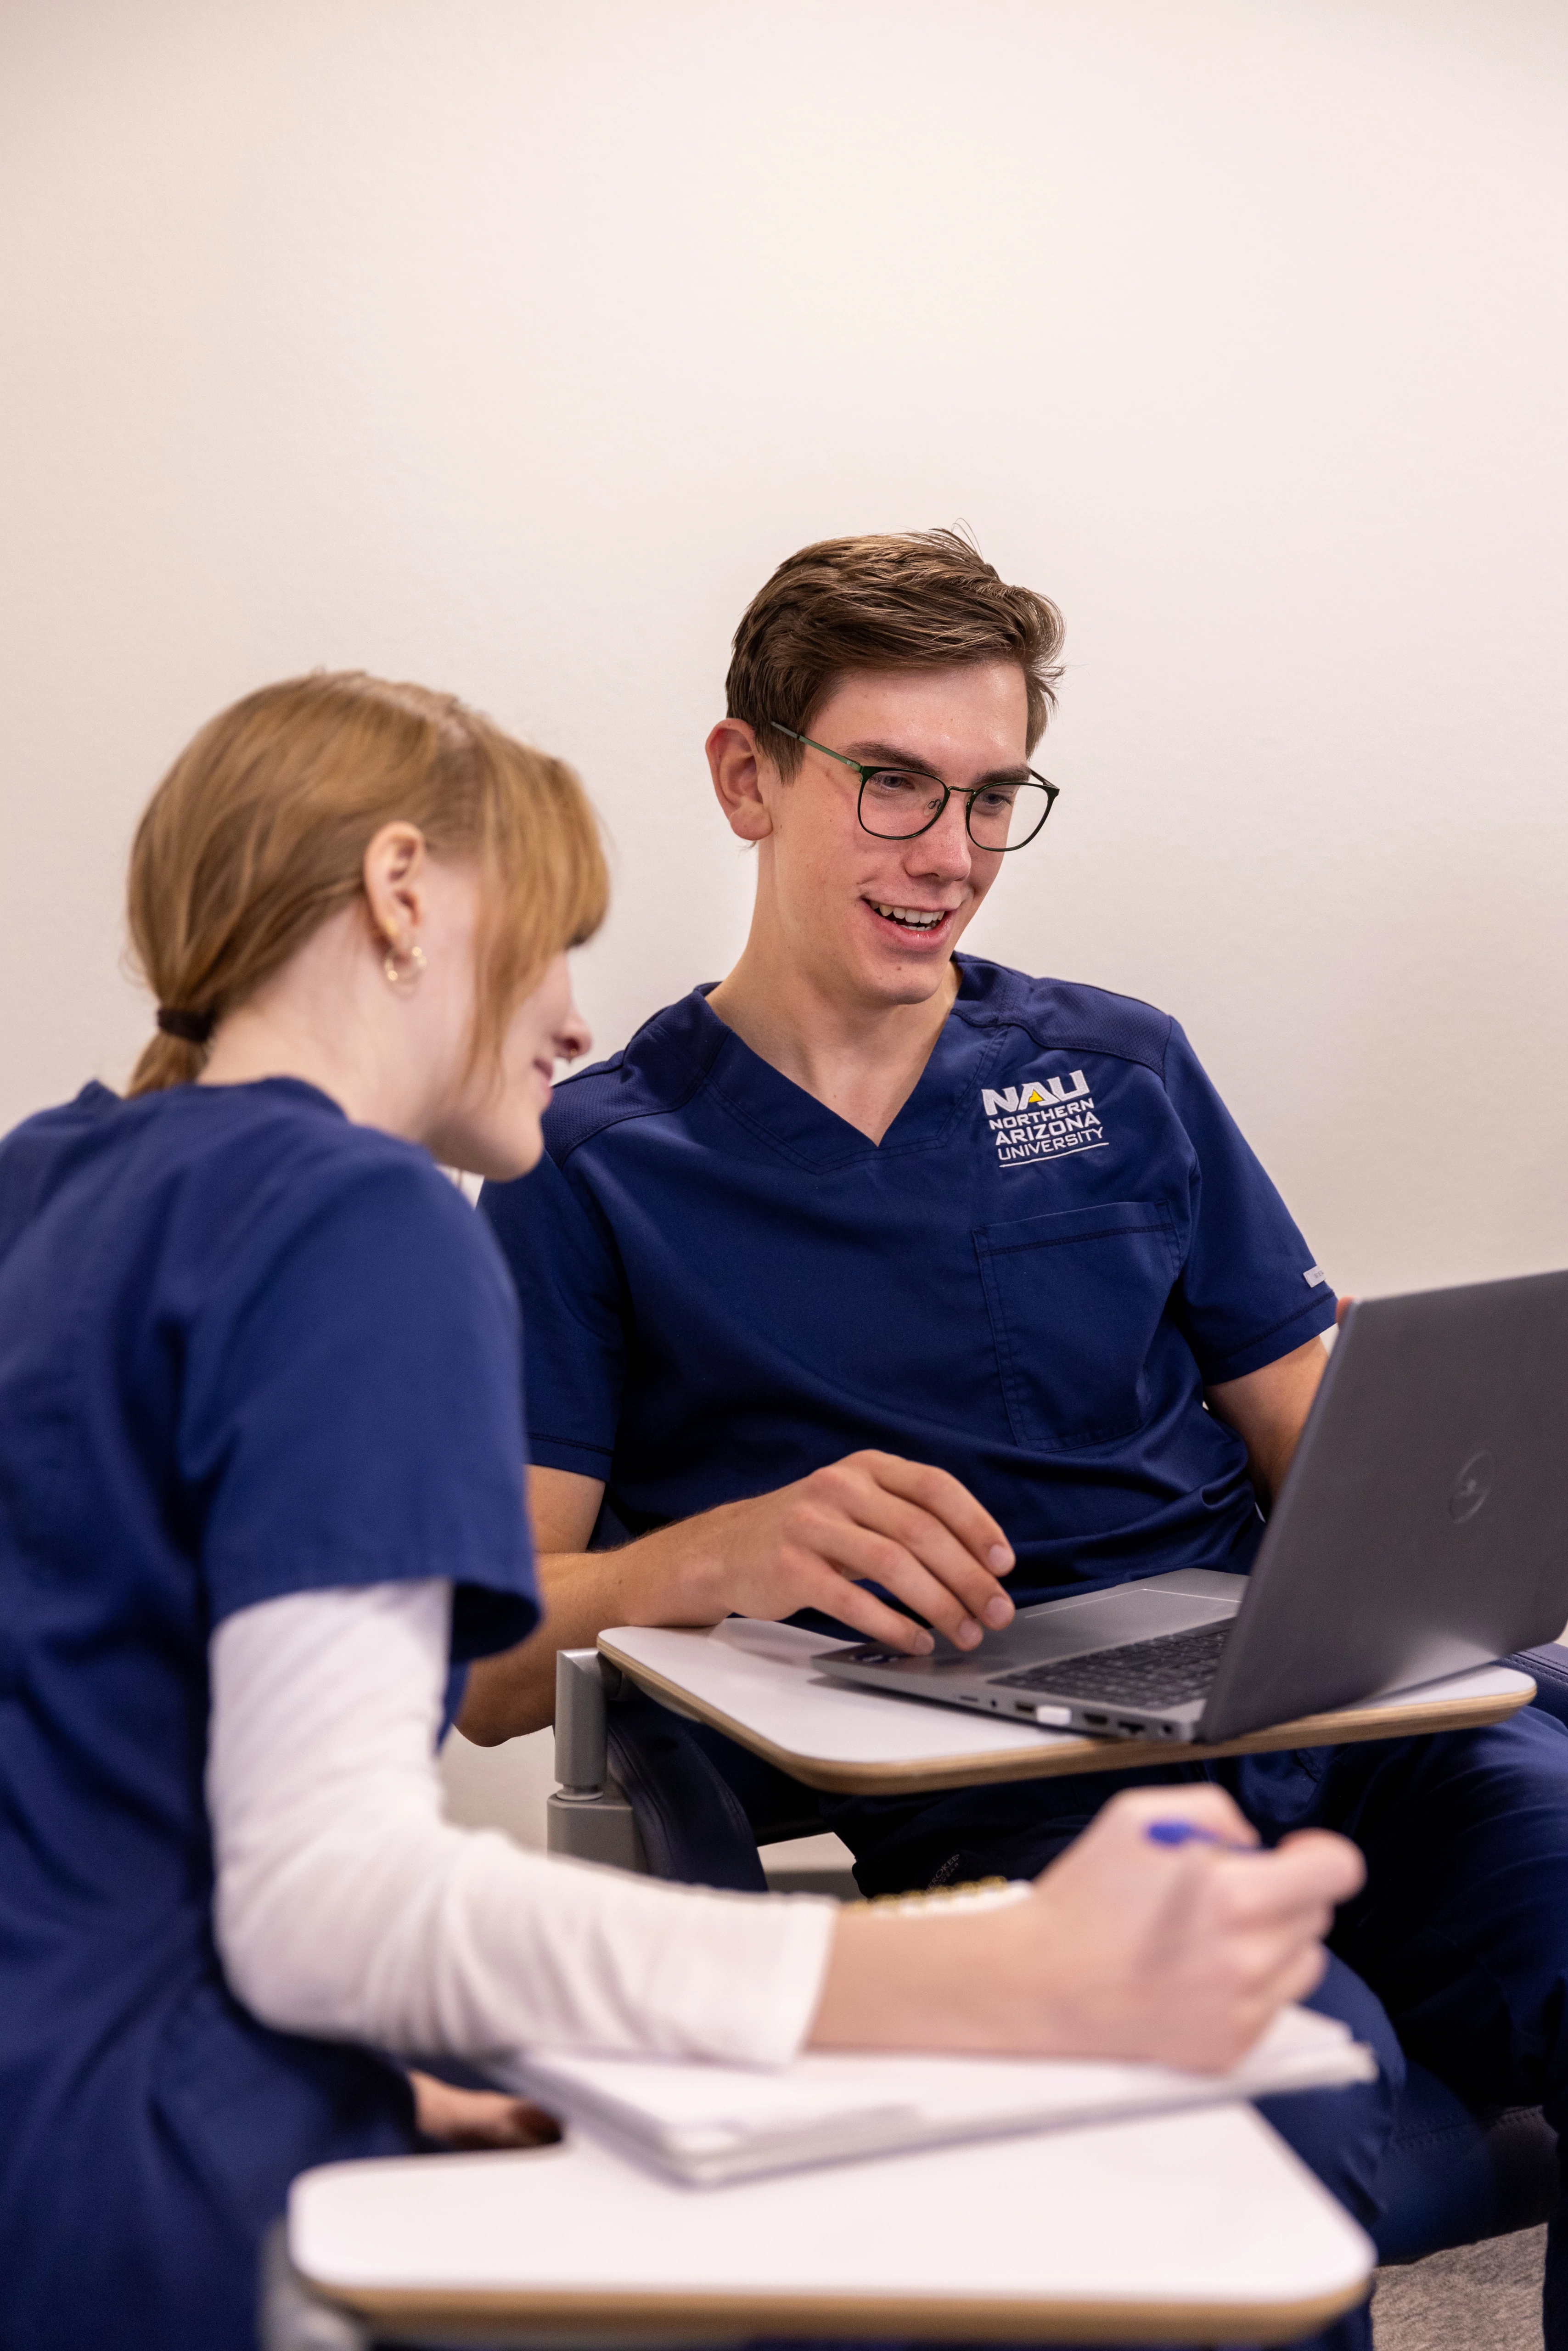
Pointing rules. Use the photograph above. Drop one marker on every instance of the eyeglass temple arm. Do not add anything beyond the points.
(966, 791)
(842, 757)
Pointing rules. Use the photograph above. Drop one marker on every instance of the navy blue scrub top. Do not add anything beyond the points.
(246, 1348)
(1061, 1239)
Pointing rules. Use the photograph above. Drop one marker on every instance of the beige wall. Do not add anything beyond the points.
(507, 344)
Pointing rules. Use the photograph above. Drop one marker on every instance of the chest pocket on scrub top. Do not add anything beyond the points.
(1075, 1299)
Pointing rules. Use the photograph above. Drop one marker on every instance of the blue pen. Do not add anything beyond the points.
(1188, 1833)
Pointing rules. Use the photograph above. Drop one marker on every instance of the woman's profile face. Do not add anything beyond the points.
(491, 1126)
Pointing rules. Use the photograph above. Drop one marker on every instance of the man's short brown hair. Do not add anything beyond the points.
(908, 600)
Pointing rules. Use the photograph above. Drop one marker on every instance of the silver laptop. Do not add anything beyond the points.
(1423, 1530)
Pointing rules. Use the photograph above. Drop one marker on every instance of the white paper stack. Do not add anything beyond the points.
(710, 2123)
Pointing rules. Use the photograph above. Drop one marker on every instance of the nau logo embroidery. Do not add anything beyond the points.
(1044, 1118)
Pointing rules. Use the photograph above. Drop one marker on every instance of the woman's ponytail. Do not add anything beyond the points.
(166, 1062)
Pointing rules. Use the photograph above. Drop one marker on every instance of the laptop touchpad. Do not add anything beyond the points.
(1068, 1628)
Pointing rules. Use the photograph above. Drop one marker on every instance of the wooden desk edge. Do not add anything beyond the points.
(1342, 1728)
(947, 2318)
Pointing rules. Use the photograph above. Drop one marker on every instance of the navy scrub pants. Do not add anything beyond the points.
(1455, 1953)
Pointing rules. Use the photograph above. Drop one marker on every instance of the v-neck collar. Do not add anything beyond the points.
(782, 1114)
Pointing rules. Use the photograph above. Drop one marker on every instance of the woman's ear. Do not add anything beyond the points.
(738, 771)
(395, 872)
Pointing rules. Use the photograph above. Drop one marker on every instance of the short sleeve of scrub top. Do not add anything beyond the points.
(351, 1414)
(1246, 1293)
(564, 1264)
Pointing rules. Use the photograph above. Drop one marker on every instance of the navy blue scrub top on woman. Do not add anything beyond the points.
(1060, 1241)
(246, 1348)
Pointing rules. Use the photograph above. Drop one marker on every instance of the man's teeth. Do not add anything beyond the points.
(917, 918)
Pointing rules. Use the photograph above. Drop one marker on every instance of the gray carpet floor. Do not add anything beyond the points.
(1480, 2298)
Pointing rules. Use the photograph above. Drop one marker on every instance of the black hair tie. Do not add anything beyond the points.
(191, 1027)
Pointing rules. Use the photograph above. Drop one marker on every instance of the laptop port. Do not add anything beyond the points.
(1136, 1728)
(1097, 1721)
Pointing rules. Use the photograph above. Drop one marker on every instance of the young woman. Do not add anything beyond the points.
(261, 1465)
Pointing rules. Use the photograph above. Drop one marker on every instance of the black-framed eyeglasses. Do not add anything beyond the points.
(901, 803)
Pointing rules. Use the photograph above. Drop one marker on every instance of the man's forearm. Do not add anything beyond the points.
(515, 1693)
(1268, 1409)
(670, 1577)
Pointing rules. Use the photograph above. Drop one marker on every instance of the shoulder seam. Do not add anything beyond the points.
(1014, 1010)
(1056, 1042)
(617, 1116)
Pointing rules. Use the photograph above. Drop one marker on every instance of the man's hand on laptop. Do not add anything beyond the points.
(870, 1517)
(902, 1524)
(1179, 1953)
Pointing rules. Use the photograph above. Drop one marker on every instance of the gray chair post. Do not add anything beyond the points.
(589, 1815)
(290, 2317)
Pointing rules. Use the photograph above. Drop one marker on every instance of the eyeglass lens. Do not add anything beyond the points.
(896, 806)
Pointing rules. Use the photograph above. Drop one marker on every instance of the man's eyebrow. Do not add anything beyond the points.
(889, 754)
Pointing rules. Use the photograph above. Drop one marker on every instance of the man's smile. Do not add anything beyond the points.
(910, 918)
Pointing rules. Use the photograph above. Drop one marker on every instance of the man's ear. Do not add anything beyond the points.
(395, 872)
(738, 770)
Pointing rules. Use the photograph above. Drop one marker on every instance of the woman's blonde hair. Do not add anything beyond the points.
(259, 833)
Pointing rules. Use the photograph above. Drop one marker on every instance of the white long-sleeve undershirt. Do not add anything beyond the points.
(347, 1907)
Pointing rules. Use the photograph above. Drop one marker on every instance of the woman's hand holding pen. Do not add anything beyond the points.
(1179, 1952)
(1184, 1952)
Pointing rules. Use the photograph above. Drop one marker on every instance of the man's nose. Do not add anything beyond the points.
(946, 850)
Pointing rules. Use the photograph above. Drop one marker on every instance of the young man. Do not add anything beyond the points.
(877, 1266)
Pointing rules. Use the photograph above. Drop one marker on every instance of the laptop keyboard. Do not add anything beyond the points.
(1166, 1671)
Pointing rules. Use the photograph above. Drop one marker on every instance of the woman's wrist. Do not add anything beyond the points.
(924, 1974)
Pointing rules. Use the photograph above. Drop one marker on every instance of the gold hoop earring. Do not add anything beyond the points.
(415, 957)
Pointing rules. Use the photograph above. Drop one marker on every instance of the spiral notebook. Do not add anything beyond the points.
(707, 2124)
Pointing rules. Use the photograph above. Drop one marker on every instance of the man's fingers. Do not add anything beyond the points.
(859, 1554)
(914, 1528)
(822, 1587)
(941, 1553)
(947, 1500)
